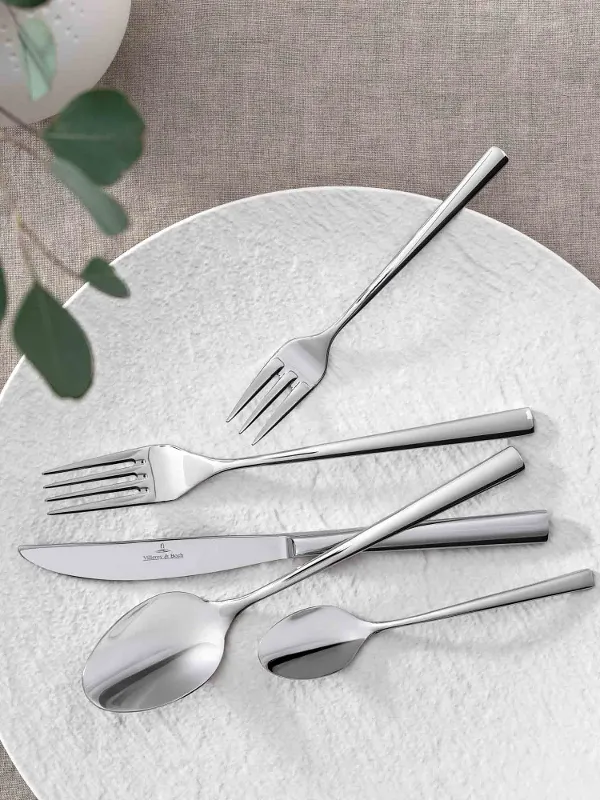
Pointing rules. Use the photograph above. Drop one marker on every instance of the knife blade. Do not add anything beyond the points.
(148, 559)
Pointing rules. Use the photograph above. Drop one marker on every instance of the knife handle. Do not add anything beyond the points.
(520, 528)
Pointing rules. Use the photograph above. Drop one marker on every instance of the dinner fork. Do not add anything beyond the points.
(300, 364)
(160, 472)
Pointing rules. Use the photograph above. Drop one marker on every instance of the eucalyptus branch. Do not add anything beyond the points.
(86, 147)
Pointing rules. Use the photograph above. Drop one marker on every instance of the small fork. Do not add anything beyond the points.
(298, 366)
(160, 472)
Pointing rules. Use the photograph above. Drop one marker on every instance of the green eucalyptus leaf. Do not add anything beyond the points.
(109, 216)
(102, 276)
(3, 294)
(38, 56)
(25, 3)
(100, 132)
(53, 341)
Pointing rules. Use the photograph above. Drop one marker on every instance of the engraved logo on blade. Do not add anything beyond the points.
(162, 554)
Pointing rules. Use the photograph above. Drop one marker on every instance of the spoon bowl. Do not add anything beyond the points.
(313, 642)
(134, 669)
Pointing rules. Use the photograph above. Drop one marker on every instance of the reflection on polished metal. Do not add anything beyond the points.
(322, 640)
(300, 364)
(172, 643)
(148, 559)
(158, 473)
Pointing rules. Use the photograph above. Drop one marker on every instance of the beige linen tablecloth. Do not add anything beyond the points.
(249, 96)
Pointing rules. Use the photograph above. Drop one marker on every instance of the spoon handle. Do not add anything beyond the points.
(494, 470)
(571, 582)
(520, 527)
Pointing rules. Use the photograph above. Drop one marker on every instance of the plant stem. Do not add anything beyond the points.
(22, 146)
(19, 122)
(45, 250)
(24, 250)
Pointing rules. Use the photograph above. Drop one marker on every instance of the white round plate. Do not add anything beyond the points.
(496, 705)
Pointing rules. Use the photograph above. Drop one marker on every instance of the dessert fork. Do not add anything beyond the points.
(301, 363)
(160, 472)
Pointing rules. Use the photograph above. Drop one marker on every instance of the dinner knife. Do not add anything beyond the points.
(148, 559)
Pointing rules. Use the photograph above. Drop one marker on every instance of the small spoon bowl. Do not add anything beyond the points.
(313, 642)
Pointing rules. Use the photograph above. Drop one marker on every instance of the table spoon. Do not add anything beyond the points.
(319, 641)
(171, 644)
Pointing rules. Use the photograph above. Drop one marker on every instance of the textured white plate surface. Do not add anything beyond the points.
(497, 705)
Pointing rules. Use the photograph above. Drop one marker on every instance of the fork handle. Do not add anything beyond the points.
(485, 169)
(516, 422)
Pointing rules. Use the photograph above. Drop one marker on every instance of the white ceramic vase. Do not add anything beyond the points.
(87, 34)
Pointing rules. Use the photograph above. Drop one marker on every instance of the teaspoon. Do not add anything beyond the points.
(171, 644)
(319, 641)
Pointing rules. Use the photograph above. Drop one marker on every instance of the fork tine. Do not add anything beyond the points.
(299, 391)
(100, 461)
(96, 476)
(284, 381)
(271, 368)
(112, 502)
(141, 485)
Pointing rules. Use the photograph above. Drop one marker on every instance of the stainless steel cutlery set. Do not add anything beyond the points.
(172, 643)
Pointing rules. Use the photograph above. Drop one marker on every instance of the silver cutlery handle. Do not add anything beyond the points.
(494, 529)
(516, 422)
(572, 582)
(485, 169)
(498, 468)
